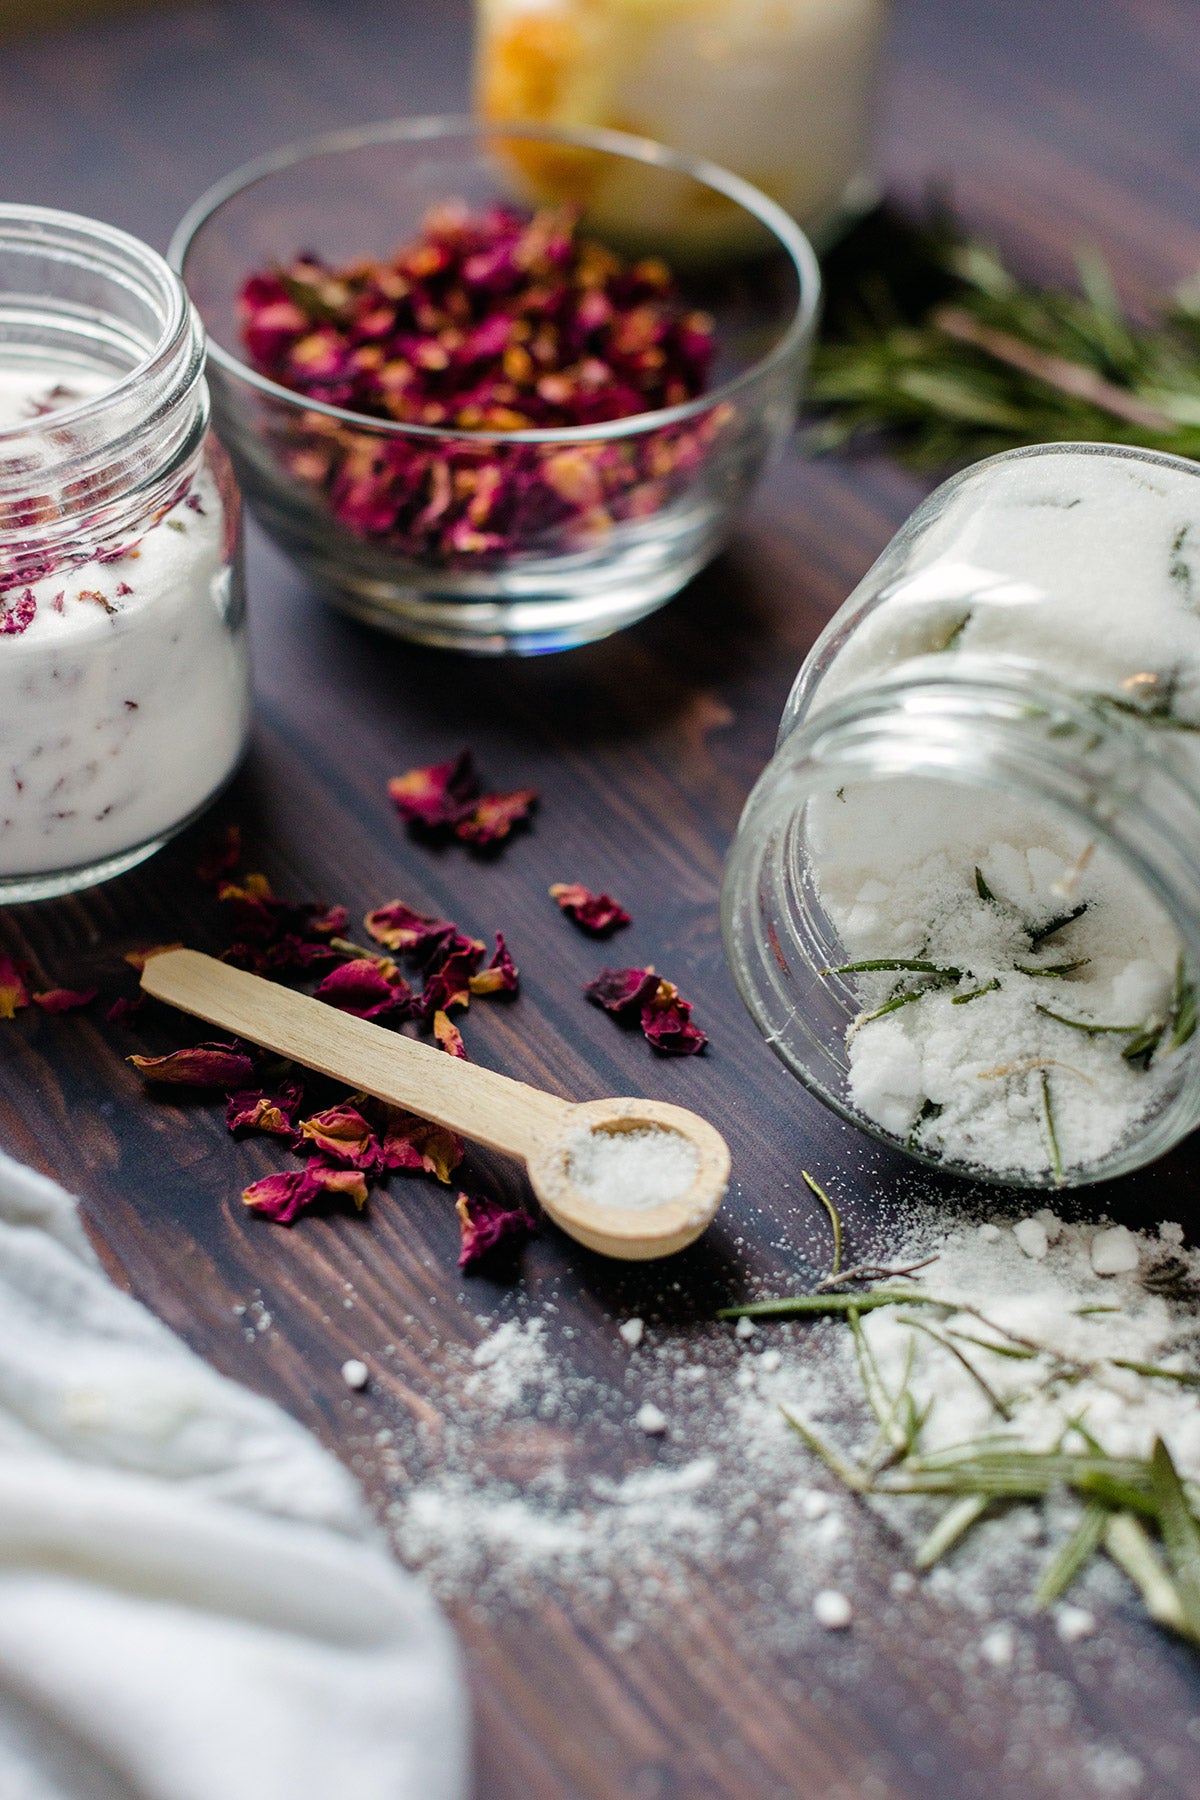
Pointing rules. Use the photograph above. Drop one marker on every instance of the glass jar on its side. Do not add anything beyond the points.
(963, 904)
(124, 675)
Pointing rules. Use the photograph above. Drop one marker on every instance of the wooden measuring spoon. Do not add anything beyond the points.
(544, 1132)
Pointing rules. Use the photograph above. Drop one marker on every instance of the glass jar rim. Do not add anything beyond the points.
(985, 711)
(645, 150)
(123, 254)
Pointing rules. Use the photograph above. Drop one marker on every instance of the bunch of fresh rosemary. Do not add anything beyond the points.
(1126, 1503)
(931, 342)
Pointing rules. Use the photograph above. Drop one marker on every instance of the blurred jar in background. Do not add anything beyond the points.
(779, 91)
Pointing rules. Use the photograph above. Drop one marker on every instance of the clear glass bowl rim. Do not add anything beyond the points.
(178, 314)
(459, 126)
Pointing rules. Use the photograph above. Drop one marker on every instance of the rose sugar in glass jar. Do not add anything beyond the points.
(963, 905)
(124, 678)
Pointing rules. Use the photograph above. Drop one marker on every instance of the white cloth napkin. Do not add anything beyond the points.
(193, 1603)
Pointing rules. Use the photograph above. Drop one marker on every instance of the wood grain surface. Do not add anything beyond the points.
(1057, 124)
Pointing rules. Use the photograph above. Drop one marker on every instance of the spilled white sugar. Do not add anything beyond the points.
(490, 1483)
(632, 1170)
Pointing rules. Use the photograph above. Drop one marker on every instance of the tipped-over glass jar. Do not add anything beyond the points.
(124, 684)
(963, 905)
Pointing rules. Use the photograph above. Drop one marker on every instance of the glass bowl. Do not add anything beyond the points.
(668, 483)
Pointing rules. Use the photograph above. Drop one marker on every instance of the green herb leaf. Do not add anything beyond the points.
(1127, 1542)
(1070, 1560)
(810, 1305)
(834, 1219)
(1060, 923)
(954, 1523)
(976, 993)
(1181, 1535)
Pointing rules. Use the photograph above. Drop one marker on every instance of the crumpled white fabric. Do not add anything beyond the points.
(193, 1603)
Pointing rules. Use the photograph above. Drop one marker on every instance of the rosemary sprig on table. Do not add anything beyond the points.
(931, 341)
(1126, 1502)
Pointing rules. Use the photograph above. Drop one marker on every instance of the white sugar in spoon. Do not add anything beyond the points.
(547, 1134)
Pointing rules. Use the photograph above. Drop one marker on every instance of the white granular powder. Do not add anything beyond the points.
(355, 1374)
(632, 1170)
(1082, 570)
(831, 1610)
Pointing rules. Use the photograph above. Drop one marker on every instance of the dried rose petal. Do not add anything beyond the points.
(123, 1011)
(438, 796)
(222, 855)
(206, 1065)
(449, 983)
(597, 914)
(252, 1109)
(495, 816)
(449, 1036)
(362, 988)
(501, 975)
(485, 1224)
(19, 616)
(14, 990)
(417, 1144)
(622, 992)
(343, 1136)
(400, 928)
(666, 1022)
(137, 959)
(351, 1184)
(281, 1198)
(61, 1000)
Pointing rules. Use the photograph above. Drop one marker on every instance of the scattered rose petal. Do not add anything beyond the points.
(495, 817)
(252, 1109)
(14, 990)
(666, 1023)
(501, 975)
(398, 927)
(417, 1144)
(61, 1000)
(597, 914)
(206, 1065)
(137, 959)
(18, 616)
(351, 1184)
(342, 1135)
(438, 796)
(449, 984)
(622, 992)
(449, 1036)
(484, 1224)
(222, 855)
(364, 989)
(281, 1198)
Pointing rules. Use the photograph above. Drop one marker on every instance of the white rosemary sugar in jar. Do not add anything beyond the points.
(965, 901)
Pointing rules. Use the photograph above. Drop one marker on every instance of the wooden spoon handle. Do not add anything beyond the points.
(483, 1106)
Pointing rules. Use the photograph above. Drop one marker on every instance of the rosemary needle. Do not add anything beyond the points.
(835, 1221)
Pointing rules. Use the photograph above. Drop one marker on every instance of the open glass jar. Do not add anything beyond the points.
(963, 904)
(124, 678)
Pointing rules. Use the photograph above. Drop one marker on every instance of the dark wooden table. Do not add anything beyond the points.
(1076, 122)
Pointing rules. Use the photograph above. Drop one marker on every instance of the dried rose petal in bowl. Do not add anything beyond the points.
(505, 434)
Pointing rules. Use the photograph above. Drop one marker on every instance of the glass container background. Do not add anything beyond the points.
(362, 193)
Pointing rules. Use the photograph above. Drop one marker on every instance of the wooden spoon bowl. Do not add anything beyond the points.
(543, 1131)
